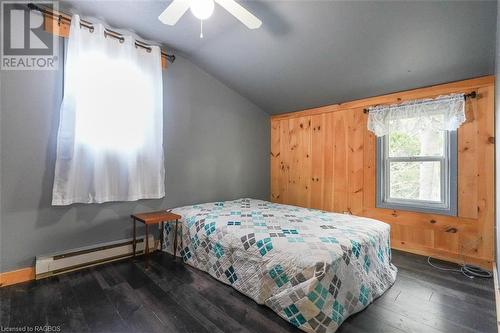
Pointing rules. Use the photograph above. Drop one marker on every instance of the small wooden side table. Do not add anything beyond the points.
(155, 218)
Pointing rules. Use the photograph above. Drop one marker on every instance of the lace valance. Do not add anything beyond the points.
(445, 113)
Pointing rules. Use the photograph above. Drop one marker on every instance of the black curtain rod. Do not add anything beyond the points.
(470, 95)
(89, 25)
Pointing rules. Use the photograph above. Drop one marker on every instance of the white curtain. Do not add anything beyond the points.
(110, 139)
(444, 113)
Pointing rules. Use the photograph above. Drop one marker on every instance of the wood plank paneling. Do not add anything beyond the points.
(355, 159)
(318, 160)
(340, 174)
(328, 160)
(303, 164)
(284, 163)
(293, 161)
(275, 161)
(486, 174)
(467, 164)
(331, 164)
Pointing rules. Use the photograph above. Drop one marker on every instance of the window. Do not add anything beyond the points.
(110, 138)
(417, 169)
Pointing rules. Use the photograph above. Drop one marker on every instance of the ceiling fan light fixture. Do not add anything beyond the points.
(202, 9)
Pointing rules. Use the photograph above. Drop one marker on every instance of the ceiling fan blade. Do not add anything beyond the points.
(240, 13)
(174, 11)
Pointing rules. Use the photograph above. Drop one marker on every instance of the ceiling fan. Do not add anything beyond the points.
(203, 9)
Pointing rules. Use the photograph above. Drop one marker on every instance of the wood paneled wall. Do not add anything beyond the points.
(324, 158)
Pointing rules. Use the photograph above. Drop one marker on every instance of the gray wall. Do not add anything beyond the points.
(216, 148)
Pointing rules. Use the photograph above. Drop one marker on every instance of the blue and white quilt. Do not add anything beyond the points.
(313, 268)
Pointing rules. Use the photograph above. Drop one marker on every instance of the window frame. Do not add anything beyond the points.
(448, 204)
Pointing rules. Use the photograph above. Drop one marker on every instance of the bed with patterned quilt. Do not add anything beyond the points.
(313, 268)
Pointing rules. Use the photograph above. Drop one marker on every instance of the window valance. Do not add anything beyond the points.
(444, 113)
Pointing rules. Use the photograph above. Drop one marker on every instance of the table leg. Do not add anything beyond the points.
(134, 242)
(162, 238)
(146, 250)
(175, 240)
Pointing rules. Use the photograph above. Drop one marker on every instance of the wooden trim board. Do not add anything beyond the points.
(397, 97)
(444, 255)
(325, 158)
(28, 273)
(17, 276)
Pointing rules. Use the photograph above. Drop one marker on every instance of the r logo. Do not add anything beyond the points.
(24, 41)
(23, 32)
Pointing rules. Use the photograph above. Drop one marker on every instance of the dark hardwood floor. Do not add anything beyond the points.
(173, 297)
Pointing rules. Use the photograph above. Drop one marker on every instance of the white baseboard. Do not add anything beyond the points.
(71, 260)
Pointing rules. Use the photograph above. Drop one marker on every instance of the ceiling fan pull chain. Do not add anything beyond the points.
(201, 28)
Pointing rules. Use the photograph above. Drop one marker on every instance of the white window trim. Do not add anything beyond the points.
(448, 206)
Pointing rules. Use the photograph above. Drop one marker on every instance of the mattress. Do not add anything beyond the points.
(313, 268)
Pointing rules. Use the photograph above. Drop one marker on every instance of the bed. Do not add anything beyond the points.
(313, 268)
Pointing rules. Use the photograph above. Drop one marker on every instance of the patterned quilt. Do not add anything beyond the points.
(313, 268)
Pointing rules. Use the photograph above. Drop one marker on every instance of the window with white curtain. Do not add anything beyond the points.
(110, 138)
(417, 154)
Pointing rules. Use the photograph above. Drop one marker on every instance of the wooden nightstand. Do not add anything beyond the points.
(155, 218)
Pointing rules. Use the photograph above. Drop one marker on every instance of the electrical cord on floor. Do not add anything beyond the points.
(469, 271)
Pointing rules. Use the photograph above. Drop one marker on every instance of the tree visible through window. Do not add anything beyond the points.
(416, 168)
(417, 153)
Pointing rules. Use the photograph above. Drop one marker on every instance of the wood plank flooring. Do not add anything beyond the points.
(173, 297)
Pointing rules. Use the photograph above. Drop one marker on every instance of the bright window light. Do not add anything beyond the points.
(417, 169)
(111, 112)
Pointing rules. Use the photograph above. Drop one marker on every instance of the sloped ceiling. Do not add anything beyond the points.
(313, 53)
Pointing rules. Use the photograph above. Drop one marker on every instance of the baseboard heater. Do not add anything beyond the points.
(72, 260)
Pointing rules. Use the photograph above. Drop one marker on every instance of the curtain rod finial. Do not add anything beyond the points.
(471, 95)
